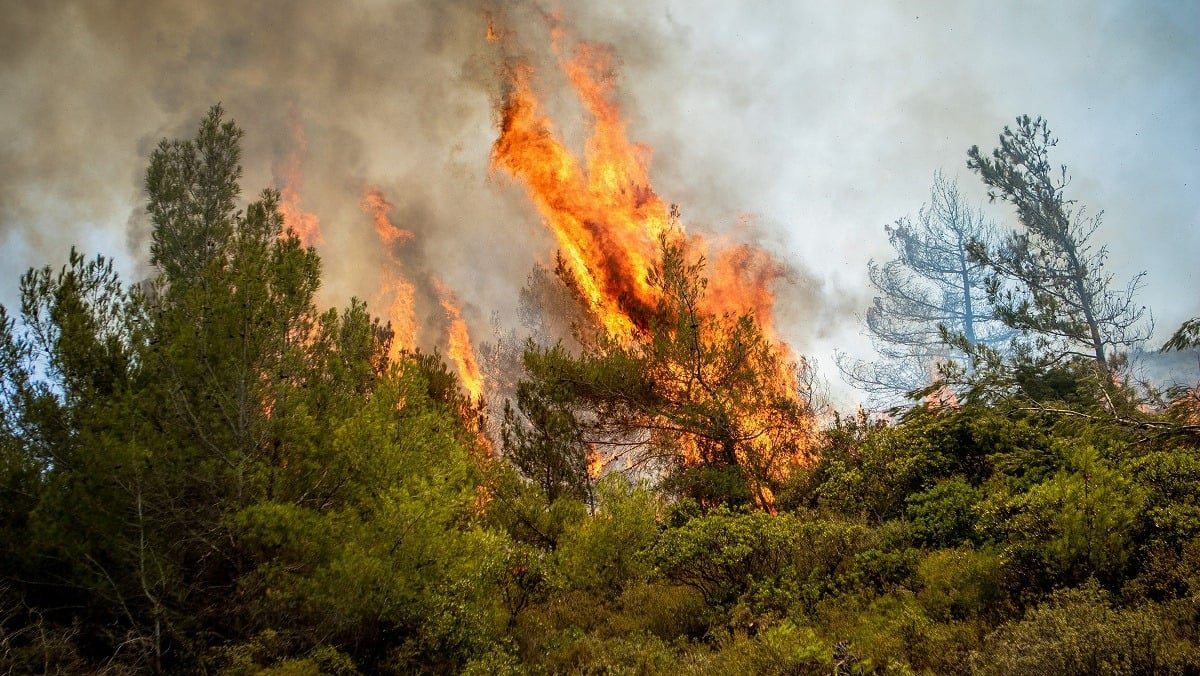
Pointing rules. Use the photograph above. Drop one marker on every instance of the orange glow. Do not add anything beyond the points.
(742, 278)
(942, 396)
(604, 212)
(458, 344)
(595, 464)
(306, 225)
(395, 291)
(605, 216)
(377, 206)
(609, 224)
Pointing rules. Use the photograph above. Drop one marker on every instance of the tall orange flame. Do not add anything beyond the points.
(609, 224)
(605, 214)
(458, 346)
(306, 225)
(396, 291)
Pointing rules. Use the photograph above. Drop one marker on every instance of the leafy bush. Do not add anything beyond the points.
(1079, 523)
(944, 515)
(957, 584)
(1078, 631)
(768, 561)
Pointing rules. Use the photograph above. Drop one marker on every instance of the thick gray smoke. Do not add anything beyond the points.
(824, 122)
(386, 95)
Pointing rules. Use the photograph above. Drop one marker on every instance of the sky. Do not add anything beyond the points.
(815, 123)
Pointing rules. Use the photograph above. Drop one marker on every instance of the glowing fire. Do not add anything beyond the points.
(605, 214)
(492, 35)
(595, 464)
(941, 397)
(375, 204)
(606, 217)
(306, 225)
(396, 292)
(458, 343)
(609, 223)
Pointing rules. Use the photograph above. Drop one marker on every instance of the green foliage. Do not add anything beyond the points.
(1079, 523)
(206, 473)
(871, 478)
(205, 458)
(545, 440)
(1048, 279)
(394, 562)
(957, 584)
(696, 390)
(762, 561)
(603, 554)
(783, 648)
(722, 553)
(1187, 336)
(944, 515)
(1171, 481)
(1079, 632)
(270, 653)
(193, 186)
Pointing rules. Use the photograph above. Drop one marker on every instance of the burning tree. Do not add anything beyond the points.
(684, 371)
(703, 400)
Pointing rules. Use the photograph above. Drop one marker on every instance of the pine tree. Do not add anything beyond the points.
(704, 399)
(1049, 279)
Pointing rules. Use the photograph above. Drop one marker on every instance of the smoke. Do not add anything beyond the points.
(385, 95)
(825, 123)
(394, 97)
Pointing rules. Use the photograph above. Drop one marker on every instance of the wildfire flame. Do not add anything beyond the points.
(595, 464)
(605, 214)
(377, 206)
(941, 397)
(492, 35)
(306, 225)
(458, 343)
(396, 291)
(609, 222)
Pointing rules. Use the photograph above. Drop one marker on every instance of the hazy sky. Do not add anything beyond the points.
(821, 122)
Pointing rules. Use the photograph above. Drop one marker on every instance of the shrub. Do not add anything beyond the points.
(943, 516)
(1078, 631)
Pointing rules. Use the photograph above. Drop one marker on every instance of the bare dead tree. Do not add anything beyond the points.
(931, 288)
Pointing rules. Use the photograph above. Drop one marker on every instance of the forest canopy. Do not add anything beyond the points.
(204, 471)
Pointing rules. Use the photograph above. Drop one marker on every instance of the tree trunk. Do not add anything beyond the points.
(968, 309)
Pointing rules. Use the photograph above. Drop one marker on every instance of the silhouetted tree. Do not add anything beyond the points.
(1186, 337)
